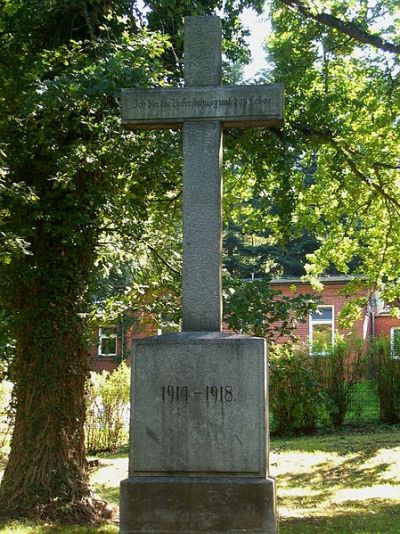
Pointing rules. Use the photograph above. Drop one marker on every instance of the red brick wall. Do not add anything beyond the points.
(383, 323)
(331, 296)
(109, 363)
(103, 363)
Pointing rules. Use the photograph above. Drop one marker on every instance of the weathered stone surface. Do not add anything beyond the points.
(202, 185)
(198, 505)
(203, 51)
(234, 106)
(199, 405)
(202, 227)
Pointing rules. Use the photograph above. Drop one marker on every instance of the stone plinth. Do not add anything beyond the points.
(198, 505)
(198, 451)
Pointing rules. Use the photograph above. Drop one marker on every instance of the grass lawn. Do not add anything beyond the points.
(342, 483)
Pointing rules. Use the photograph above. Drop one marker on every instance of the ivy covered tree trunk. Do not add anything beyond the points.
(46, 474)
(67, 166)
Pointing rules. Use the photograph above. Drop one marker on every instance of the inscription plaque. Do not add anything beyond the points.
(199, 405)
(172, 393)
(234, 106)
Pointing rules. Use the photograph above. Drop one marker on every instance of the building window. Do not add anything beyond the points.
(395, 342)
(107, 341)
(322, 331)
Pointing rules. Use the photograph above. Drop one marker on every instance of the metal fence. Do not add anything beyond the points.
(364, 404)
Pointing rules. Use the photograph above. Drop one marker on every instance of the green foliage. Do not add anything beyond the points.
(342, 105)
(10, 244)
(339, 370)
(333, 171)
(294, 390)
(77, 194)
(255, 257)
(73, 181)
(107, 421)
(254, 308)
(168, 15)
(386, 374)
(7, 344)
(60, 116)
(145, 279)
(310, 390)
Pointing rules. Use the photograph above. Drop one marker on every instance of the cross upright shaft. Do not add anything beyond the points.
(202, 108)
(202, 184)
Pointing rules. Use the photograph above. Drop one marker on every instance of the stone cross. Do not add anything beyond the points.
(203, 107)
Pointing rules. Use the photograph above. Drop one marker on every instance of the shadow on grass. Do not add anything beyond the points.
(368, 517)
(349, 473)
(347, 440)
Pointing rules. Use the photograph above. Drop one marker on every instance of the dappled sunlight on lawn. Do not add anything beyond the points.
(107, 476)
(110, 471)
(386, 492)
(341, 483)
(367, 517)
(355, 483)
(389, 457)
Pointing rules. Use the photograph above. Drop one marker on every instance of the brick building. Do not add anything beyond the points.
(386, 325)
(376, 319)
(323, 325)
(114, 344)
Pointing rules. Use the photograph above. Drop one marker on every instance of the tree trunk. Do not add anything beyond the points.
(46, 475)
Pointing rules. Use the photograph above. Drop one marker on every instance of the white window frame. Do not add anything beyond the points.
(103, 335)
(311, 325)
(392, 330)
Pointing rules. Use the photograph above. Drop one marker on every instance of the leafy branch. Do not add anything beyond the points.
(367, 179)
(348, 28)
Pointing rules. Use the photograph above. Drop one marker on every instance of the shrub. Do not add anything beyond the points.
(339, 370)
(294, 390)
(385, 372)
(107, 421)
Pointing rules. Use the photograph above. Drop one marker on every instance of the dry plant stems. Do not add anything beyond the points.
(107, 422)
(6, 419)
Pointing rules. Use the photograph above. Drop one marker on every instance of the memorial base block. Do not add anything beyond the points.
(199, 436)
(198, 505)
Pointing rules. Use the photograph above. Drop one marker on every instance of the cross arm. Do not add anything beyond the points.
(234, 106)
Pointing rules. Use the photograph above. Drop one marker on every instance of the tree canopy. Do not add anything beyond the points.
(64, 192)
(333, 171)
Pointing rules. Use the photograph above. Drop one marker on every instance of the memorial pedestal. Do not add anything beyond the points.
(199, 438)
(198, 504)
